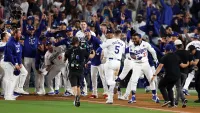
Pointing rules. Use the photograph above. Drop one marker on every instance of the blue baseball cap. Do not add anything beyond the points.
(122, 4)
(58, 35)
(30, 28)
(62, 23)
(196, 36)
(175, 34)
(69, 29)
(16, 72)
(169, 47)
(8, 22)
(193, 28)
(48, 42)
(128, 20)
(109, 30)
(30, 18)
(39, 42)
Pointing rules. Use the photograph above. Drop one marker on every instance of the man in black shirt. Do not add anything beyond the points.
(75, 56)
(171, 63)
(196, 65)
(184, 57)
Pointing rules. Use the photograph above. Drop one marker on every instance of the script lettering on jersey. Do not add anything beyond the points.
(142, 52)
(32, 40)
(17, 48)
(117, 42)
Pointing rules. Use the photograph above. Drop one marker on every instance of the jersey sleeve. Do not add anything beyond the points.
(186, 48)
(105, 44)
(152, 51)
(47, 61)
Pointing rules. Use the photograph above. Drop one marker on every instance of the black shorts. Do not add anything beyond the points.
(75, 78)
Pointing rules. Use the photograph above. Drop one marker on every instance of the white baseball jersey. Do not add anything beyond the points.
(1, 53)
(142, 51)
(57, 55)
(81, 35)
(195, 43)
(115, 48)
(128, 45)
(103, 39)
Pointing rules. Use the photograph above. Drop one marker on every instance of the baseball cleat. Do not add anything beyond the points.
(51, 93)
(21, 91)
(83, 94)
(197, 101)
(10, 98)
(156, 99)
(123, 98)
(133, 100)
(67, 94)
(185, 92)
(166, 103)
(56, 92)
(93, 96)
(109, 102)
(105, 96)
(184, 103)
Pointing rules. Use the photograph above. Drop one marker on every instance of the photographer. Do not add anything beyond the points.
(75, 56)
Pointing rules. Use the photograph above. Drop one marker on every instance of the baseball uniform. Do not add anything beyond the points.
(141, 66)
(116, 48)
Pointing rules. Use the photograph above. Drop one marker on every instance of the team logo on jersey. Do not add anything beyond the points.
(32, 40)
(59, 57)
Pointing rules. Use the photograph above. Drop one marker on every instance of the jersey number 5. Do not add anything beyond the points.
(117, 49)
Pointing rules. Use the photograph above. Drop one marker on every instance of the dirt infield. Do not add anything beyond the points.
(143, 101)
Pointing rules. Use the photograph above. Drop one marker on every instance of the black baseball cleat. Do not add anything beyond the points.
(166, 103)
(184, 103)
(77, 101)
(197, 101)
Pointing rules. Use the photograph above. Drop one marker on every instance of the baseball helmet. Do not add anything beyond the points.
(16, 72)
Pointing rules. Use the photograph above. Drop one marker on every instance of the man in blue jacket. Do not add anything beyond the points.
(96, 66)
(32, 35)
(13, 66)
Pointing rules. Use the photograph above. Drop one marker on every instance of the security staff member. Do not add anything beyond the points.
(171, 63)
(196, 56)
(76, 56)
(184, 57)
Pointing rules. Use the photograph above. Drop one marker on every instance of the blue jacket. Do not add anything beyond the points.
(13, 52)
(150, 57)
(94, 43)
(30, 43)
(166, 13)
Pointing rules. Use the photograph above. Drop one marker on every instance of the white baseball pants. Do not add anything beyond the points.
(189, 80)
(94, 72)
(29, 63)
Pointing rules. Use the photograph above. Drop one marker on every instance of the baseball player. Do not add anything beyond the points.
(55, 63)
(96, 66)
(138, 51)
(116, 48)
(196, 43)
(12, 65)
(4, 39)
(40, 67)
(66, 42)
(81, 36)
(30, 47)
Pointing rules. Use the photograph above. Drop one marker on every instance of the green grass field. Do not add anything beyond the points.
(64, 107)
(67, 107)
